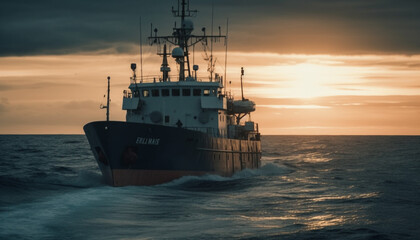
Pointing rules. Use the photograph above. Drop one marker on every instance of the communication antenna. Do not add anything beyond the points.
(242, 86)
(226, 50)
(107, 101)
(134, 77)
(141, 53)
(211, 43)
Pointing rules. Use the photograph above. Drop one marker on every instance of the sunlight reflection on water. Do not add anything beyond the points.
(326, 220)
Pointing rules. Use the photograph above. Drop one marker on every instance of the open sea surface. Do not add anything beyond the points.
(309, 187)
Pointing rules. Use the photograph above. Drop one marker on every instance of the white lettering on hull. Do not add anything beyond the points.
(147, 141)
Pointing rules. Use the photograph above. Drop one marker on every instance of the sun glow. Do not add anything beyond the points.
(295, 94)
(308, 80)
(302, 80)
(310, 76)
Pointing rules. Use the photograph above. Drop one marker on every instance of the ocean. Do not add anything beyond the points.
(309, 187)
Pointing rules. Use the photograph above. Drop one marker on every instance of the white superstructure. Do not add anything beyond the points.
(188, 102)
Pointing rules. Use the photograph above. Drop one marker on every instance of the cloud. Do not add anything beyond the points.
(15, 83)
(4, 104)
(342, 102)
(340, 115)
(59, 94)
(293, 106)
(52, 116)
(290, 26)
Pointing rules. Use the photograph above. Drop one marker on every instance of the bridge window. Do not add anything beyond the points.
(175, 92)
(186, 92)
(165, 92)
(155, 92)
(206, 92)
(196, 92)
(146, 93)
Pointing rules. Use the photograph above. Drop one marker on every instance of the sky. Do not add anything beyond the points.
(328, 67)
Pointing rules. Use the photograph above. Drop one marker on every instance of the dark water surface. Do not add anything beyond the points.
(310, 187)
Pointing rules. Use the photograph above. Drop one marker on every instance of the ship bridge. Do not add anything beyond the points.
(193, 105)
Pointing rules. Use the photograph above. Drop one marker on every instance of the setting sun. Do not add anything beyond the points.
(309, 80)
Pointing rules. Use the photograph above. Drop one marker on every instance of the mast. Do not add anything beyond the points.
(182, 37)
(183, 34)
(182, 40)
(107, 101)
(165, 69)
(141, 52)
(242, 86)
(226, 51)
(211, 44)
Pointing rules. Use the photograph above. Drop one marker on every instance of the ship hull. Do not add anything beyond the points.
(147, 154)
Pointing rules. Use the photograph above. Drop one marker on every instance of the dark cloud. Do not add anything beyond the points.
(289, 26)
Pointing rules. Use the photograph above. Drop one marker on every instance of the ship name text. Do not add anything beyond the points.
(148, 141)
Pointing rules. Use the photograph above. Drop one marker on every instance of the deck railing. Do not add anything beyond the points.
(171, 78)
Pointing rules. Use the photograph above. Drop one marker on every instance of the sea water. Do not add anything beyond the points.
(309, 187)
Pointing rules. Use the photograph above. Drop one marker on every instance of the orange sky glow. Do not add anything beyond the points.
(324, 67)
(294, 93)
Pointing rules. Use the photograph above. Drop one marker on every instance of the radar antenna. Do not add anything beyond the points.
(183, 38)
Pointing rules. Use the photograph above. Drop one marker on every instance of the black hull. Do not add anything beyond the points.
(146, 154)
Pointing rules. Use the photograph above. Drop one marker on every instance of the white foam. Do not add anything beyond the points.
(268, 169)
(207, 177)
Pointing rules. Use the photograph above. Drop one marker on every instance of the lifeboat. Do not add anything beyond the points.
(241, 106)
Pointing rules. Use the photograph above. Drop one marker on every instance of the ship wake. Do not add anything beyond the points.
(244, 178)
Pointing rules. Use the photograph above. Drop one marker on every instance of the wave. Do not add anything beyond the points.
(333, 233)
(240, 178)
(62, 169)
(72, 142)
(31, 220)
(84, 179)
(28, 150)
(41, 180)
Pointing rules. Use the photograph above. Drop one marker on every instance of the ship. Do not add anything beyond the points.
(180, 125)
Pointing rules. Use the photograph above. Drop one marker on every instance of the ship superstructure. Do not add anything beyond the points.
(176, 125)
